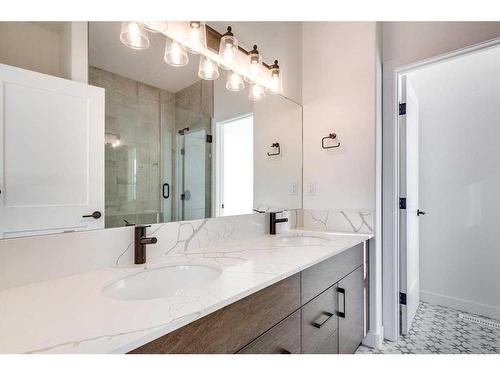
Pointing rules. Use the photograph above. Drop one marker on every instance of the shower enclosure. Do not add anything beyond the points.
(157, 152)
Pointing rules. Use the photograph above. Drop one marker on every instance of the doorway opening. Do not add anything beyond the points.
(448, 182)
(234, 158)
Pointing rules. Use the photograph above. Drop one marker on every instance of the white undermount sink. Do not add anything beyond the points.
(301, 240)
(161, 282)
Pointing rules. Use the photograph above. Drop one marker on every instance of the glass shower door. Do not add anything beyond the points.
(191, 174)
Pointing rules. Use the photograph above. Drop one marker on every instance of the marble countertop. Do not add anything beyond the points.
(71, 315)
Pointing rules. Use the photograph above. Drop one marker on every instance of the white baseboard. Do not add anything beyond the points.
(374, 339)
(461, 304)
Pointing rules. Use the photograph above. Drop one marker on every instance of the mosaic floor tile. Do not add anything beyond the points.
(439, 330)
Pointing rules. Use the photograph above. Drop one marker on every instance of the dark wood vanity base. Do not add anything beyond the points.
(319, 310)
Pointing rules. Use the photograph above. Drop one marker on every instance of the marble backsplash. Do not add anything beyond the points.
(347, 221)
(35, 259)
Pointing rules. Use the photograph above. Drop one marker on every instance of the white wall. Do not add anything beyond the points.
(55, 48)
(339, 86)
(459, 182)
(406, 43)
(340, 93)
(30, 46)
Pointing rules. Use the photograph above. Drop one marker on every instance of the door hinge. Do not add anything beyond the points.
(209, 138)
(402, 203)
(183, 151)
(402, 109)
(183, 196)
(402, 298)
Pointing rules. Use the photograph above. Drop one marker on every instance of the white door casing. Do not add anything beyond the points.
(52, 154)
(409, 227)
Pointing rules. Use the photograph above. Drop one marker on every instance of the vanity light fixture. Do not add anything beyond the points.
(175, 54)
(274, 78)
(154, 26)
(183, 37)
(256, 92)
(208, 69)
(255, 62)
(234, 81)
(228, 49)
(196, 40)
(133, 35)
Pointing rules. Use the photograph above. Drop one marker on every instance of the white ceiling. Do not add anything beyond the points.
(108, 53)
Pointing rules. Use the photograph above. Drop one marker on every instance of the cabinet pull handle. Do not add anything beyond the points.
(341, 314)
(319, 325)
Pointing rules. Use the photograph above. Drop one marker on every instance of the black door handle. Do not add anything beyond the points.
(341, 314)
(420, 212)
(167, 195)
(95, 215)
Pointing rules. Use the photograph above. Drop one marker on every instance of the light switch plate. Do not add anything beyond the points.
(294, 189)
(311, 189)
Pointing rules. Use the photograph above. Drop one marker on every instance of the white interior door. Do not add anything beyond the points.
(52, 154)
(409, 228)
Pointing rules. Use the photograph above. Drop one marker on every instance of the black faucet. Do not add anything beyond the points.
(140, 243)
(273, 220)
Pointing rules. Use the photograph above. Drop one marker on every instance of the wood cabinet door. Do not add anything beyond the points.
(284, 338)
(319, 323)
(350, 302)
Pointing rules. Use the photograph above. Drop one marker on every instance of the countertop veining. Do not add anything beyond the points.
(71, 315)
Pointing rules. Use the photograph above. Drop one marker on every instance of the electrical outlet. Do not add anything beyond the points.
(294, 189)
(311, 189)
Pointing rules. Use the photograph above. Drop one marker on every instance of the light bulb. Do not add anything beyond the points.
(175, 54)
(196, 41)
(256, 92)
(208, 69)
(254, 66)
(274, 78)
(154, 26)
(234, 81)
(133, 35)
(228, 49)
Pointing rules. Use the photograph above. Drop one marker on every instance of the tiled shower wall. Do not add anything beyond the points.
(136, 114)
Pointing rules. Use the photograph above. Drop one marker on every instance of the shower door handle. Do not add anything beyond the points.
(165, 195)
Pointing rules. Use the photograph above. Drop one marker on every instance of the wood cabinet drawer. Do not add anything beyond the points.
(232, 327)
(329, 346)
(323, 275)
(319, 321)
(284, 338)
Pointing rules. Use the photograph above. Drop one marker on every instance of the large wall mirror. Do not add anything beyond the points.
(169, 146)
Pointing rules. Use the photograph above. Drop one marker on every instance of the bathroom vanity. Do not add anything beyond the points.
(319, 310)
(298, 291)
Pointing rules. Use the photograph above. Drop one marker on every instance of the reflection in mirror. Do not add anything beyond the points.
(176, 147)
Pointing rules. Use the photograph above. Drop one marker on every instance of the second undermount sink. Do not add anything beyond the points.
(301, 240)
(161, 282)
